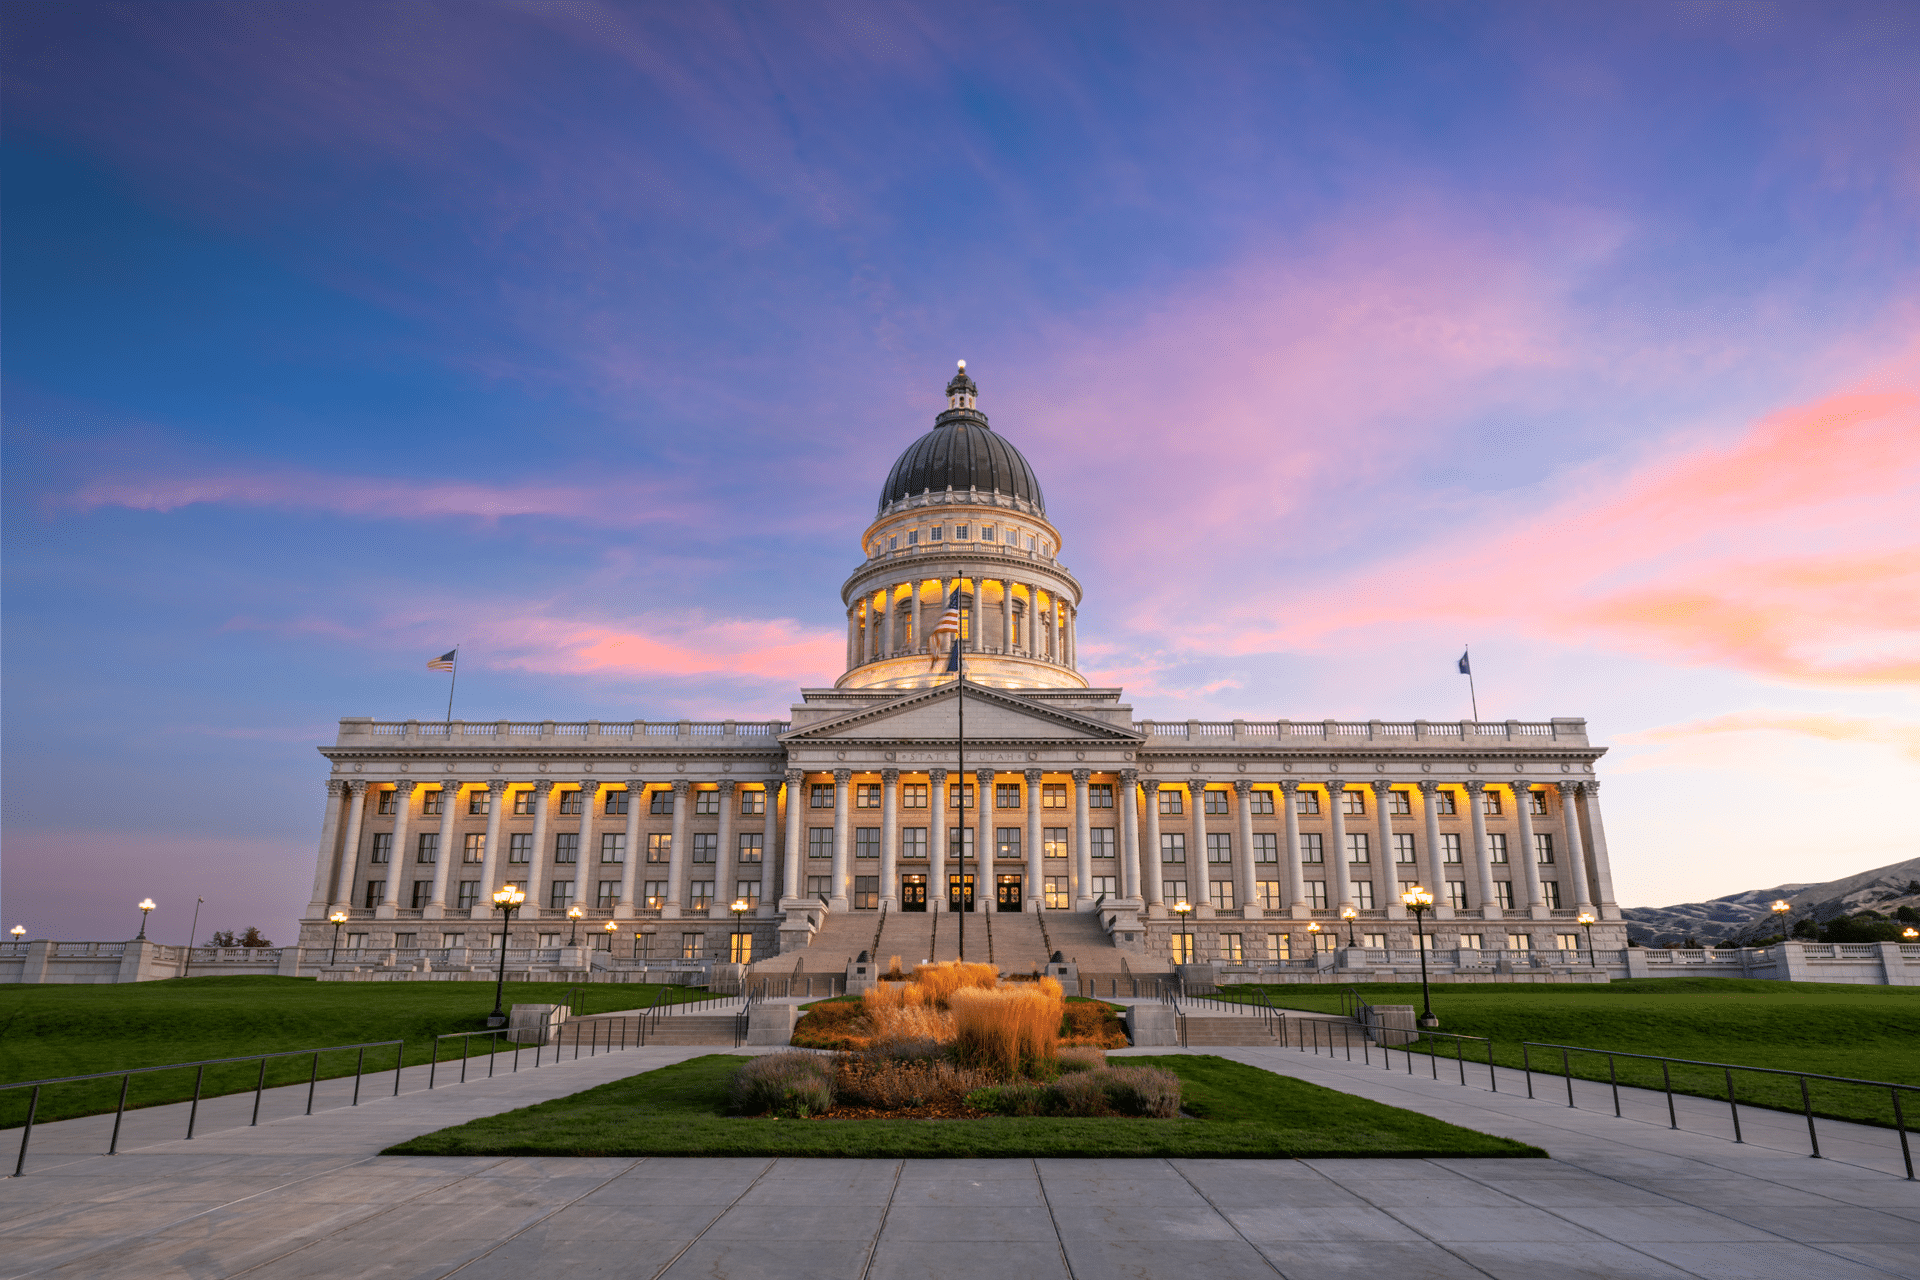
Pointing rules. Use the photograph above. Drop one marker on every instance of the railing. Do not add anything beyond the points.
(1727, 1069)
(1361, 729)
(199, 1081)
(574, 728)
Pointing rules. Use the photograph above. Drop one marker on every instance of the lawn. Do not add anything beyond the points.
(51, 1030)
(1237, 1111)
(1866, 1033)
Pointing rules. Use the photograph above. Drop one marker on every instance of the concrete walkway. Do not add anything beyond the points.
(303, 1196)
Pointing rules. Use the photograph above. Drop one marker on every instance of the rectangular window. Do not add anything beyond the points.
(1378, 940)
(699, 894)
(1230, 948)
(1497, 846)
(1173, 846)
(1306, 802)
(959, 796)
(1259, 802)
(469, 894)
(520, 847)
(866, 893)
(747, 891)
(819, 842)
(1104, 887)
(566, 846)
(1403, 850)
(434, 803)
(1267, 894)
(613, 846)
(986, 533)
(1053, 795)
(1312, 847)
(866, 842)
(913, 795)
(706, 848)
(960, 843)
(660, 848)
(1006, 843)
(1537, 803)
(1216, 800)
(1567, 941)
(388, 802)
(1353, 803)
(1472, 941)
(654, 893)
(1399, 802)
(1006, 795)
(1053, 842)
(560, 895)
(1357, 847)
(382, 847)
(960, 533)
(1503, 894)
(753, 846)
(429, 848)
(692, 945)
(522, 803)
(913, 537)
(1100, 843)
(376, 892)
(913, 843)
(1219, 846)
(422, 893)
(1181, 944)
(479, 802)
(356, 942)
(1363, 894)
(1100, 795)
(1490, 802)
(1317, 894)
(1059, 897)
(1266, 847)
(866, 795)
(1543, 848)
(1444, 803)
(740, 948)
(1279, 947)
(608, 895)
(616, 806)
(1176, 891)
(660, 800)
(753, 804)
(706, 803)
(573, 802)
(1450, 848)
(1457, 894)
(820, 887)
(937, 532)
(1170, 801)
(1519, 942)
(1220, 892)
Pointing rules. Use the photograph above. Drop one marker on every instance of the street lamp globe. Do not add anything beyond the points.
(1908, 934)
(573, 915)
(1417, 900)
(18, 931)
(1349, 914)
(146, 905)
(1586, 920)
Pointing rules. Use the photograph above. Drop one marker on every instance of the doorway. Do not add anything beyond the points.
(960, 893)
(1008, 890)
(913, 893)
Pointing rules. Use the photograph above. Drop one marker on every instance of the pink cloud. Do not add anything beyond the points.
(1877, 730)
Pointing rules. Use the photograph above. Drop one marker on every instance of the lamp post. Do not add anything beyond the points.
(505, 900)
(1181, 908)
(740, 907)
(1349, 915)
(1313, 939)
(1585, 921)
(573, 916)
(611, 929)
(146, 905)
(1781, 910)
(18, 931)
(337, 919)
(1906, 935)
(1419, 901)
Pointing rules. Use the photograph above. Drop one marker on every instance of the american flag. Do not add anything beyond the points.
(946, 632)
(442, 663)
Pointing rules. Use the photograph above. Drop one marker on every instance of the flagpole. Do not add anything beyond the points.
(1471, 695)
(961, 695)
(453, 678)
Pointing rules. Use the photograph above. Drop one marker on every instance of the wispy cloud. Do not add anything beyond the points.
(1903, 735)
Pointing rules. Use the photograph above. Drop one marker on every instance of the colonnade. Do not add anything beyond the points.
(892, 621)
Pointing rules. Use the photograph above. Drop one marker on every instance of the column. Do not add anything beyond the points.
(1602, 865)
(1483, 858)
(796, 848)
(1067, 637)
(586, 872)
(1033, 621)
(771, 893)
(448, 855)
(853, 632)
(1575, 852)
(323, 868)
(636, 850)
(1383, 824)
(1337, 855)
(842, 822)
(986, 889)
(399, 860)
(1436, 874)
(1200, 871)
(1053, 626)
(540, 855)
(1082, 843)
(1523, 812)
(890, 839)
(937, 839)
(677, 855)
(490, 876)
(1150, 855)
(1243, 856)
(726, 859)
(1297, 906)
(1129, 802)
(1006, 615)
(1036, 844)
(350, 850)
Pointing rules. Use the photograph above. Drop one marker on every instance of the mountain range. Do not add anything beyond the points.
(1745, 915)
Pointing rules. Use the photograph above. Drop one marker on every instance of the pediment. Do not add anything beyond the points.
(933, 715)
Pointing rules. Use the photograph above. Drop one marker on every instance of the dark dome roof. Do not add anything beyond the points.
(962, 452)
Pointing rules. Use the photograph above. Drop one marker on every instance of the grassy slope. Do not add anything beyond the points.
(58, 1030)
(1242, 1111)
(1833, 1029)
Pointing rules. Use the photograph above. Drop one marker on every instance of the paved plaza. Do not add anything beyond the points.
(302, 1196)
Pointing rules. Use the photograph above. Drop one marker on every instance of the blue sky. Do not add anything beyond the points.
(584, 335)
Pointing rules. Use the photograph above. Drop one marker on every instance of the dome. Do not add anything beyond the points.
(962, 452)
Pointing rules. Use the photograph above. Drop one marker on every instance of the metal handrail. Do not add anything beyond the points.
(193, 1112)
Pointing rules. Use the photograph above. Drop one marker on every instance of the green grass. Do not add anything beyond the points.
(1865, 1033)
(1237, 1111)
(58, 1030)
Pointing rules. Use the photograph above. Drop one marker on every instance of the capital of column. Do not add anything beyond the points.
(889, 776)
(1288, 786)
(1428, 788)
(1474, 786)
(795, 777)
(1591, 786)
(727, 785)
(1521, 786)
(1082, 776)
(937, 776)
(984, 777)
(842, 777)
(681, 786)
(496, 787)
(404, 787)
(1241, 786)
(540, 786)
(358, 786)
(1150, 785)
(1033, 779)
(336, 786)
(1335, 786)
(1129, 777)
(1198, 788)
(1569, 789)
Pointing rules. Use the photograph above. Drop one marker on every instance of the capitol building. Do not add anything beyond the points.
(1144, 842)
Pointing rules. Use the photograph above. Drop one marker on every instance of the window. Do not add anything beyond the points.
(1053, 795)
(1472, 941)
(1406, 886)
(936, 532)
(1306, 802)
(820, 887)
(1259, 802)
(388, 802)
(549, 939)
(1279, 946)
(1503, 894)
(428, 850)
(434, 803)
(1030, 543)
(1363, 894)
(1443, 802)
(1357, 847)
(1053, 842)
(706, 848)
(376, 892)
(754, 803)
(1176, 891)
(913, 795)
(866, 795)
(700, 894)
(1266, 847)
(1519, 942)
(1100, 843)
(573, 802)
(654, 893)
(706, 803)
(382, 847)
(560, 895)
(752, 847)
(422, 893)
(1324, 942)
(1317, 894)
(1006, 842)
(613, 846)
(1230, 948)
(866, 893)
(986, 533)
(866, 842)
(747, 891)
(1403, 849)
(819, 842)
(1450, 848)
(960, 842)
(820, 796)
(692, 945)
(566, 846)
(1006, 795)
(608, 895)
(1181, 943)
(1424, 941)
(1543, 848)
(1173, 846)
(480, 802)
(1537, 803)
(1567, 941)
(1353, 803)
(356, 941)
(740, 948)
(522, 803)
(1100, 795)
(1104, 887)
(960, 795)
(960, 533)
(1550, 893)
(1058, 897)
(1216, 800)
(1220, 893)
(1219, 846)
(469, 894)
(1267, 893)
(1312, 847)
(520, 847)
(1457, 894)
(913, 537)
(660, 800)
(616, 806)
(1490, 802)
(913, 843)
(1497, 846)
(1377, 940)
(1170, 801)
(660, 848)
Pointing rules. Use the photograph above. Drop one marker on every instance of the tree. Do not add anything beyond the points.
(253, 938)
(1866, 926)
(1805, 928)
(222, 939)
(1907, 915)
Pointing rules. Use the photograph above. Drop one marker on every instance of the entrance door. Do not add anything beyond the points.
(1009, 891)
(913, 893)
(960, 893)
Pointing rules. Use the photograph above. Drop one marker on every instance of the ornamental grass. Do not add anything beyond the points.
(1013, 1030)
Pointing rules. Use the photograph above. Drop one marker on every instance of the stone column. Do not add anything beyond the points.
(1006, 615)
(1244, 870)
(771, 890)
(1383, 825)
(841, 837)
(986, 889)
(636, 850)
(796, 845)
(494, 858)
(890, 839)
(882, 617)
(1597, 844)
(1575, 852)
(1127, 797)
(937, 839)
(1053, 627)
(1436, 873)
(853, 636)
(1337, 855)
(350, 849)
(540, 856)
(586, 872)
(1150, 856)
(1082, 843)
(1297, 905)
(323, 866)
(677, 856)
(1482, 856)
(726, 859)
(398, 859)
(1036, 843)
(449, 853)
(1522, 810)
(1199, 870)
(1068, 636)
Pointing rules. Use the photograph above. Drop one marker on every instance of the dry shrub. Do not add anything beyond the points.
(837, 1024)
(1007, 1031)
(938, 982)
(912, 1022)
(1081, 1058)
(793, 1085)
(1093, 1025)
(890, 1084)
(1142, 1091)
(1125, 1091)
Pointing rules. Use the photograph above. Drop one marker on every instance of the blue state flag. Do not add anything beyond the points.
(1465, 669)
(953, 659)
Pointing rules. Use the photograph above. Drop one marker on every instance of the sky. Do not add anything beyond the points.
(583, 335)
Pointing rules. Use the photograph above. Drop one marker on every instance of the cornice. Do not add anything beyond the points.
(1101, 731)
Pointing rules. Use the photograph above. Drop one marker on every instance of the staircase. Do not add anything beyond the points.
(623, 1030)
(1016, 941)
